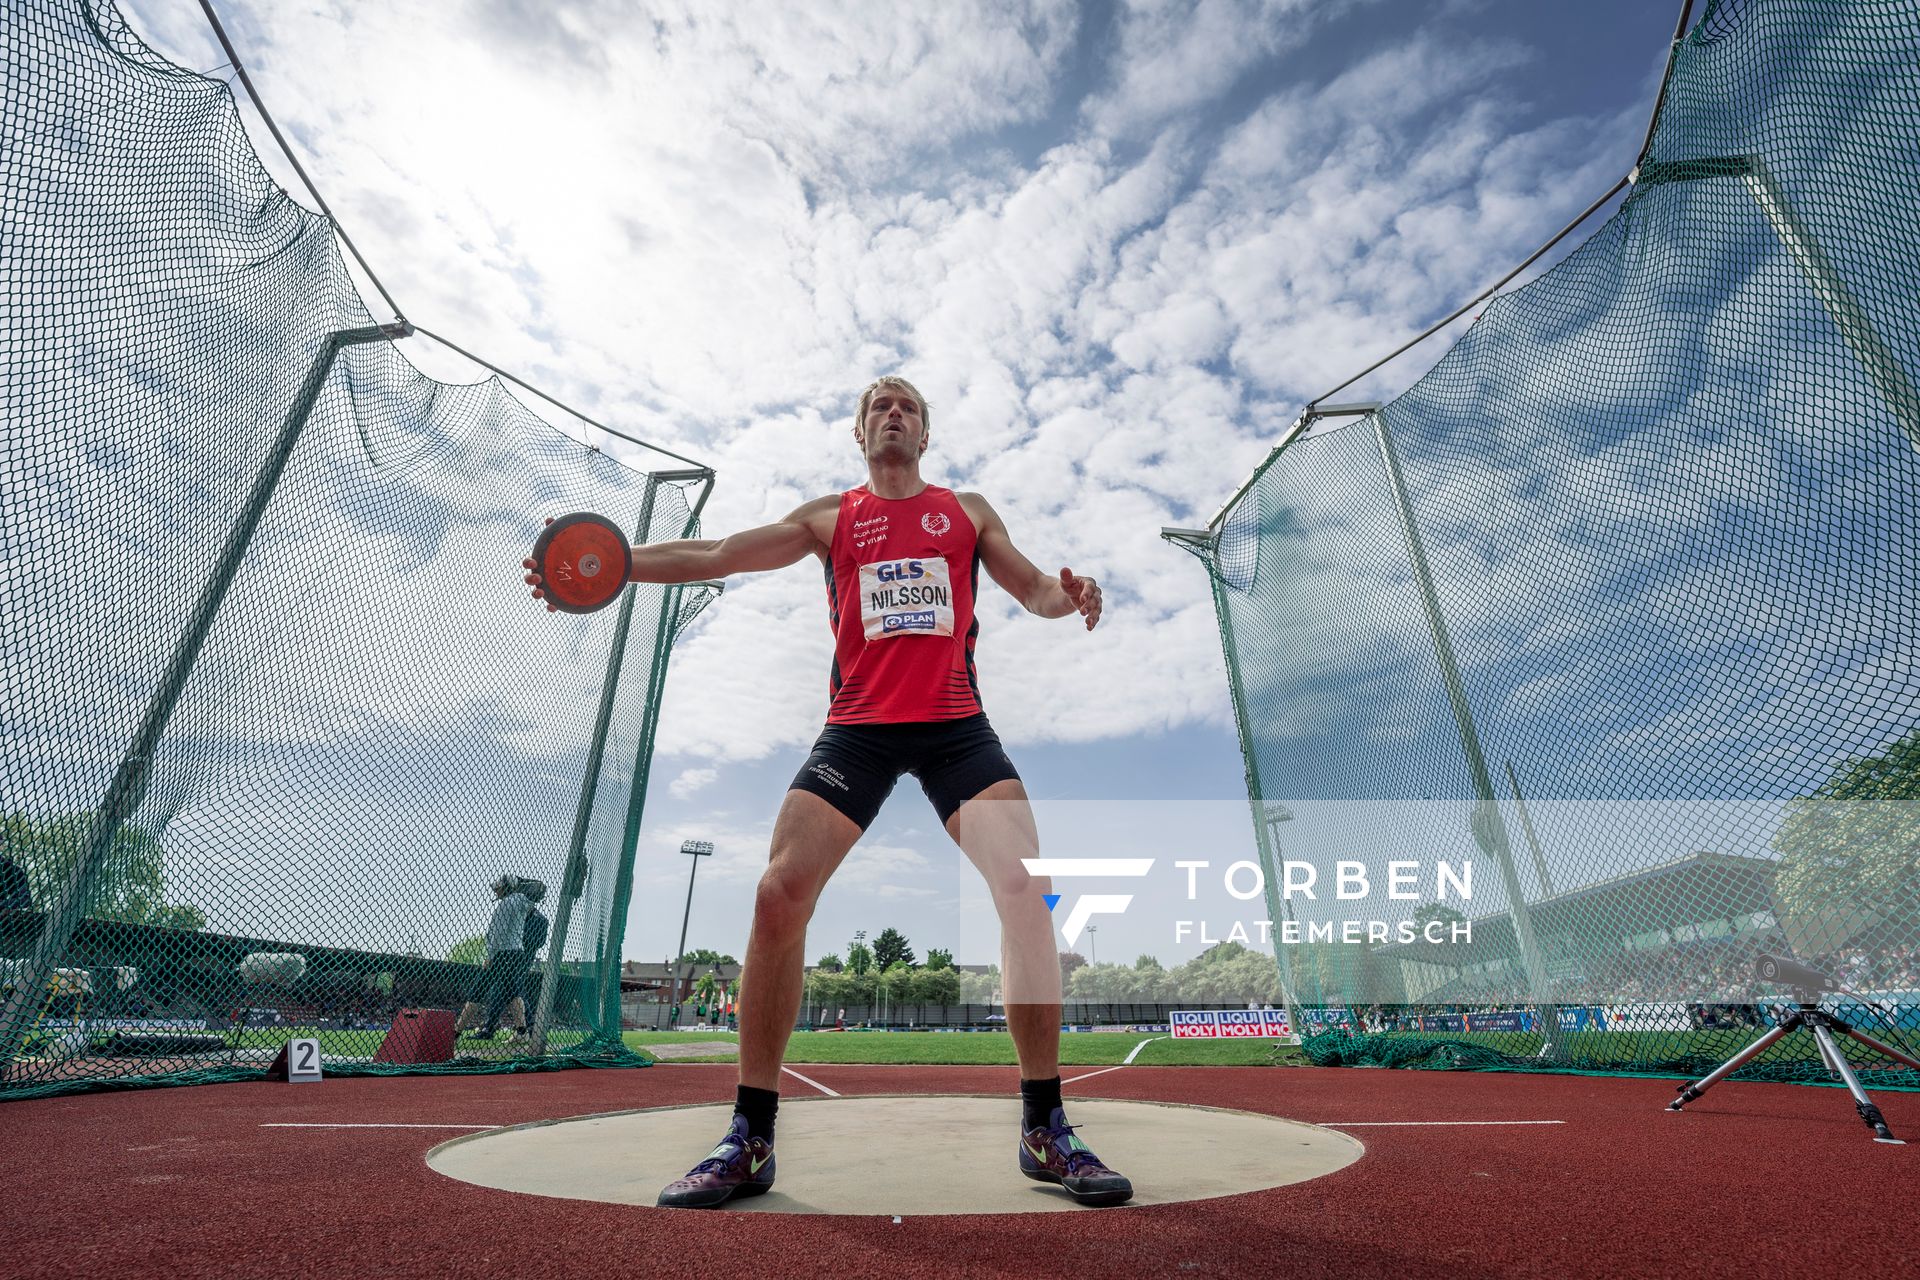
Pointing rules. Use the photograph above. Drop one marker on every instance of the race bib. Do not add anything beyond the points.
(906, 598)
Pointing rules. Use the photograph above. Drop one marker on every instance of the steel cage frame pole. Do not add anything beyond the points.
(1279, 863)
(1883, 369)
(573, 881)
(1256, 804)
(664, 636)
(636, 806)
(1533, 840)
(130, 779)
(1488, 826)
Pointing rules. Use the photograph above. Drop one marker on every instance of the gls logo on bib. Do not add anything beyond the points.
(898, 597)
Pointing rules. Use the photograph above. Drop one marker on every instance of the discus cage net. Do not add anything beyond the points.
(1621, 600)
(278, 711)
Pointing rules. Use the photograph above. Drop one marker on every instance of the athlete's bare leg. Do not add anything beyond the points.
(996, 830)
(810, 840)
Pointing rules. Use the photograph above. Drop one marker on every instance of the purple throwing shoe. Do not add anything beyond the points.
(1053, 1154)
(739, 1166)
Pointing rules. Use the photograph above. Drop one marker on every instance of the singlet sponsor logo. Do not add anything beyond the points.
(898, 597)
(935, 523)
(869, 531)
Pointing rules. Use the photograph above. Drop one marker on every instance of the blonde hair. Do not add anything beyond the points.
(891, 380)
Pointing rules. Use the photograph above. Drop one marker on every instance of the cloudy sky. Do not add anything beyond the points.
(1118, 246)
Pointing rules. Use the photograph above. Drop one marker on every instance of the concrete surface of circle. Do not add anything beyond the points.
(934, 1154)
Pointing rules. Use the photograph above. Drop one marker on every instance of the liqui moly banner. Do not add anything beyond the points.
(1230, 1024)
(1198, 1025)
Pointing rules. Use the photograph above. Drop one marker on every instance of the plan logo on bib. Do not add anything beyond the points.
(935, 523)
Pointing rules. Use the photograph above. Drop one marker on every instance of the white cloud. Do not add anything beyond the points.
(691, 780)
(712, 229)
(1174, 57)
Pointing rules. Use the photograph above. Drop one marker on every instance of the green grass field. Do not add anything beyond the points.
(984, 1048)
(1595, 1050)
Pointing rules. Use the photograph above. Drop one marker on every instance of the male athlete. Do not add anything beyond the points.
(902, 560)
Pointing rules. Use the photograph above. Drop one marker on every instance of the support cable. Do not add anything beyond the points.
(526, 386)
(1653, 121)
(1488, 292)
(233, 60)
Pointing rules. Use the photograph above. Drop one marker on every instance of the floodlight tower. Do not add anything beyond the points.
(860, 940)
(696, 849)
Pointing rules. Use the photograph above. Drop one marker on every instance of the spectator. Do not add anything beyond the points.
(16, 894)
(504, 974)
(533, 937)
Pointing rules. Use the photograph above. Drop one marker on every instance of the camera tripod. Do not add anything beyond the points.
(1823, 1026)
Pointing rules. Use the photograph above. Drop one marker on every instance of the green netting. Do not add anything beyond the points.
(1621, 601)
(297, 835)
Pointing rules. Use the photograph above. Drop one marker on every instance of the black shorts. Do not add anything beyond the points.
(854, 766)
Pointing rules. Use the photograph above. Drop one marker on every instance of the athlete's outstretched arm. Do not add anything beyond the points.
(1037, 591)
(772, 546)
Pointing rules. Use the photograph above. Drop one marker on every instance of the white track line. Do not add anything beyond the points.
(815, 1083)
(1410, 1124)
(1090, 1075)
(1129, 1062)
(379, 1126)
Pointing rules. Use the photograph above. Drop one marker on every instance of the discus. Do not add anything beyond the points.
(583, 562)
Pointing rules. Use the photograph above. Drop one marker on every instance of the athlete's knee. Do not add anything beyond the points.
(784, 902)
(1010, 882)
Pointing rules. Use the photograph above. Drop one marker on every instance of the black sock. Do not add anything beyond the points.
(1038, 1098)
(758, 1106)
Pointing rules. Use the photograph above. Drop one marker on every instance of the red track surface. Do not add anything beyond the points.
(1751, 1179)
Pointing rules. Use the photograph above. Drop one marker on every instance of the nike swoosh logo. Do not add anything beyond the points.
(1038, 1153)
(754, 1165)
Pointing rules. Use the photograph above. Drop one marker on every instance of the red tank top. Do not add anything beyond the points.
(901, 576)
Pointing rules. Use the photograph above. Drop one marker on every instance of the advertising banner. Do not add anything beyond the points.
(1511, 1020)
(1198, 1025)
(1231, 1024)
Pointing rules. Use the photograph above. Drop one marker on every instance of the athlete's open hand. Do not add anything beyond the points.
(534, 580)
(1085, 595)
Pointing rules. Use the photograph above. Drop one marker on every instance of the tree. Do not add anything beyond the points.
(890, 948)
(859, 959)
(829, 962)
(1069, 961)
(704, 956)
(130, 886)
(469, 951)
(979, 988)
(1850, 851)
(1110, 982)
(937, 958)
(935, 986)
(836, 990)
(1227, 973)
